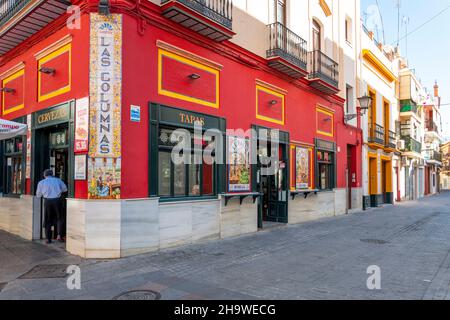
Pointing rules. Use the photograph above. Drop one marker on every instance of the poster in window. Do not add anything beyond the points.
(302, 168)
(81, 125)
(80, 167)
(104, 178)
(239, 164)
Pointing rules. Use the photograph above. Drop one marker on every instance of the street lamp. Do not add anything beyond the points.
(365, 102)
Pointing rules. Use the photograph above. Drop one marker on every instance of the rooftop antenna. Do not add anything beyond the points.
(381, 18)
(398, 5)
(405, 21)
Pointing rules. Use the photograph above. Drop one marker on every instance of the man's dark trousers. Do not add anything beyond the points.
(53, 215)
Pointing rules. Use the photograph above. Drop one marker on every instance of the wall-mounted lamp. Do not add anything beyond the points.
(365, 102)
(46, 70)
(194, 76)
(8, 90)
(326, 120)
(273, 102)
(104, 7)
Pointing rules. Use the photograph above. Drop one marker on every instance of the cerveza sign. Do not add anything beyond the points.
(52, 116)
(105, 84)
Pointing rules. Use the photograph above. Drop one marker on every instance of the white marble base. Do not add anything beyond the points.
(238, 219)
(16, 216)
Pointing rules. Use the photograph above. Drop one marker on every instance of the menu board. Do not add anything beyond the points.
(239, 164)
(302, 167)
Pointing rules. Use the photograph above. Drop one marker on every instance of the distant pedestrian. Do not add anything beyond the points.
(51, 189)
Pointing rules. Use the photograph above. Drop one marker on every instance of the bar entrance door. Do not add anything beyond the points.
(272, 181)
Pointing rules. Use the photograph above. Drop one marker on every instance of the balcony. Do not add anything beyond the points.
(20, 19)
(412, 145)
(432, 155)
(431, 126)
(408, 106)
(210, 18)
(376, 134)
(287, 51)
(391, 139)
(323, 72)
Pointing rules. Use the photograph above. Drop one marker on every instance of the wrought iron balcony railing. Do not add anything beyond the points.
(433, 155)
(324, 68)
(287, 45)
(391, 139)
(376, 134)
(219, 11)
(412, 145)
(8, 8)
(430, 125)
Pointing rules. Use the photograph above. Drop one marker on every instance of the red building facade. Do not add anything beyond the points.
(173, 77)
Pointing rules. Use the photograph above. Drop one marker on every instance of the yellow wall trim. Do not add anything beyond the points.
(376, 63)
(17, 74)
(193, 63)
(328, 112)
(277, 93)
(326, 9)
(12, 70)
(53, 47)
(56, 53)
(188, 55)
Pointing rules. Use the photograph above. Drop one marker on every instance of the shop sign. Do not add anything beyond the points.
(81, 125)
(28, 146)
(105, 85)
(52, 116)
(183, 118)
(302, 168)
(325, 145)
(239, 164)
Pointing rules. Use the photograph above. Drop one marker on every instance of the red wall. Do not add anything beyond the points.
(80, 76)
(237, 103)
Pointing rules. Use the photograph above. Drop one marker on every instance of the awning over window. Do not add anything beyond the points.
(10, 129)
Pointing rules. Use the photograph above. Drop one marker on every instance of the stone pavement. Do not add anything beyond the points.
(326, 259)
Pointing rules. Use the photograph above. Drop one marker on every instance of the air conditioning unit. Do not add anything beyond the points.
(401, 144)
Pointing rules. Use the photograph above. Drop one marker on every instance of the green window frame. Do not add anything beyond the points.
(14, 166)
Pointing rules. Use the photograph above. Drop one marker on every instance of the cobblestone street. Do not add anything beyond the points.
(327, 259)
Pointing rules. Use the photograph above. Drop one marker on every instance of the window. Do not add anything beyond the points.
(348, 30)
(326, 161)
(349, 101)
(317, 36)
(177, 180)
(13, 183)
(326, 169)
(280, 11)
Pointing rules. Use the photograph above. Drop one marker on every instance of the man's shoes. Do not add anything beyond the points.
(48, 242)
(60, 239)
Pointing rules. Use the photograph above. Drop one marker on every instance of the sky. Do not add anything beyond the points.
(427, 48)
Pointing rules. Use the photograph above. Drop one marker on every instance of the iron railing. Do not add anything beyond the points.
(220, 11)
(433, 155)
(8, 8)
(412, 145)
(323, 67)
(391, 138)
(376, 134)
(286, 44)
(431, 126)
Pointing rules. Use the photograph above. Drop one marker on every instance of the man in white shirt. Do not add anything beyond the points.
(51, 189)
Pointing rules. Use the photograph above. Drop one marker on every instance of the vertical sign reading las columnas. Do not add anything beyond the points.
(104, 164)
